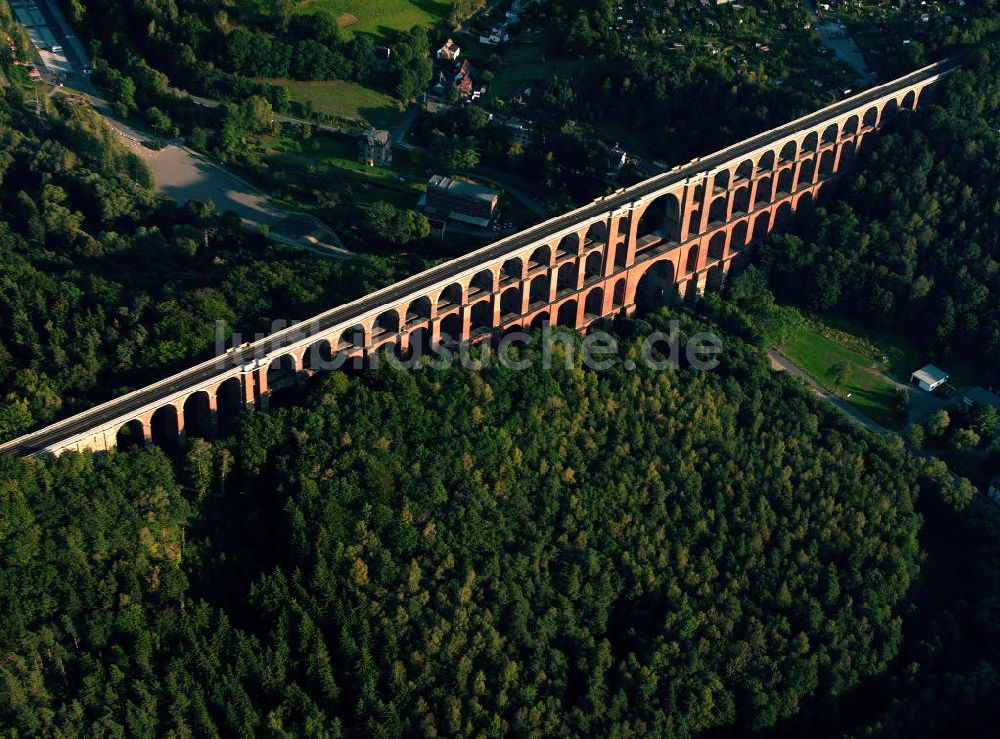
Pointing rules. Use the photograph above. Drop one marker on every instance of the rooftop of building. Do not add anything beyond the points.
(376, 136)
(981, 396)
(930, 374)
(461, 187)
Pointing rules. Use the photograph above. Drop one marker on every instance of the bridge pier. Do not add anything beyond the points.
(667, 222)
(182, 436)
(255, 390)
(147, 429)
(212, 420)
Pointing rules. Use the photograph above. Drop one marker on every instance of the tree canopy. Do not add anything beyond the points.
(911, 242)
(445, 551)
(104, 288)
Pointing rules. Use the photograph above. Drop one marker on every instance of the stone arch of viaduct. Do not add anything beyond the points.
(668, 238)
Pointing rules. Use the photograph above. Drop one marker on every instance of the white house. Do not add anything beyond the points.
(929, 377)
(450, 51)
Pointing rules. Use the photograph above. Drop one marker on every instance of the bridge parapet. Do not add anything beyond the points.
(668, 238)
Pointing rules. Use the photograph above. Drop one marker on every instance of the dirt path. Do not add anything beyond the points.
(782, 364)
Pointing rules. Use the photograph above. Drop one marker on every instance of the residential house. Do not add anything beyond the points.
(463, 79)
(375, 148)
(449, 52)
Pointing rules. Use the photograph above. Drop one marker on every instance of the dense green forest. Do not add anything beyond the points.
(441, 551)
(103, 288)
(444, 551)
(223, 50)
(680, 63)
(912, 241)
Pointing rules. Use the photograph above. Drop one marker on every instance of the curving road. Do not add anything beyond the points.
(230, 363)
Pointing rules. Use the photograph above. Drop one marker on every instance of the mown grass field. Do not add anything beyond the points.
(379, 16)
(901, 354)
(521, 65)
(815, 354)
(343, 99)
(342, 151)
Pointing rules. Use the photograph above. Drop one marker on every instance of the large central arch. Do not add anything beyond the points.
(657, 287)
(661, 217)
(624, 248)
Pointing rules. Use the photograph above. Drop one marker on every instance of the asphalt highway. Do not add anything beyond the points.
(202, 374)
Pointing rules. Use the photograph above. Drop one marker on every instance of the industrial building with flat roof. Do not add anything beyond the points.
(460, 200)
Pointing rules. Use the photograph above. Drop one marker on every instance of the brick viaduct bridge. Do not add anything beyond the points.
(667, 238)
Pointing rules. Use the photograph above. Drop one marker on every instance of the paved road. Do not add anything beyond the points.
(179, 172)
(183, 174)
(781, 364)
(73, 50)
(403, 290)
(922, 404)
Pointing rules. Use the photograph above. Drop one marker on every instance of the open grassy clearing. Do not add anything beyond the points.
(401, 183)
(810, 350)
(900, 355)
(337, 156)
(379, 16)
(347, 100)
(520, 65)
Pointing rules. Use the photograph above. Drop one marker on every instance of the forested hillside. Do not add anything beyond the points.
(222, 50)
(912, 241)
(442, 551)
(103, 288)
(498, 552)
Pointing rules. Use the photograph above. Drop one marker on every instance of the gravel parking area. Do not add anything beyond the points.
(185, 176)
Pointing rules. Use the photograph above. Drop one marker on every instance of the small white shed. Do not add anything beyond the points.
(929, 377)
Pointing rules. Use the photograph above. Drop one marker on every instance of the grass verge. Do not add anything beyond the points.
(380, 16)
(347, 100)
(812, 348)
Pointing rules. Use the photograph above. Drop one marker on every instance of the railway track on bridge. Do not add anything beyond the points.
(248, 356)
